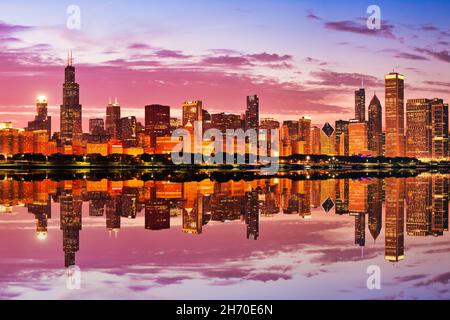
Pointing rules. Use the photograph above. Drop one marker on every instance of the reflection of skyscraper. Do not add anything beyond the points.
(374, 206)
(394, 233)
(157, 212)
(375, 127)
(360, 229)
(71, 226)
(342, 196)
(70, 118)
(418, 210)
(440, 205)
(113, 213)
(42, 213)
(395, 127)
(192, 209)
(252, 214)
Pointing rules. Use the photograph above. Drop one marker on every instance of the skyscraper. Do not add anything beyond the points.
(360, 105)
(395, 115)
(357, 135)
(342, 142)
(129, 132)
(157, 122)
(41, 121)
(113, 120)
(192, 111)
(252, 113)
(315, 140)
(375, 127)
(439, 129)
(327, 140)
(304, 129)
(70, 112)
(418, 128)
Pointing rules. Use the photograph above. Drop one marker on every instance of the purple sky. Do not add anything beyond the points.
(300, 57)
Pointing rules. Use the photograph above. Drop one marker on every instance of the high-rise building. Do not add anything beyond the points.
(439, 129)
(395, 115)
(70, 111)
(41, 121)
(360, 105)
(157, 122)
(192, 112)
(304, 131)
(418, 128)
(315, 140)
(252, 113)
(96, 125)
(97, 132)
(342, 142)
(328, 140)
(223, 121)
(129, 132)
(375, 127)
(357, 136)
(113, 120)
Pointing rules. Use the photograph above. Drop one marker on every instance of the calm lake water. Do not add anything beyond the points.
(261, 239)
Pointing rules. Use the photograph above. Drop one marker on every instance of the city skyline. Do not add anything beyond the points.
(290, 77)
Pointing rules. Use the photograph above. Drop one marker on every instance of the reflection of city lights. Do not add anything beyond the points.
(42, 235)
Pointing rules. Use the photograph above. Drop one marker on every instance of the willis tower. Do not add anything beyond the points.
(71, 123)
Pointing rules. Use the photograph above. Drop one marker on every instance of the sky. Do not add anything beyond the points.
(303, 58)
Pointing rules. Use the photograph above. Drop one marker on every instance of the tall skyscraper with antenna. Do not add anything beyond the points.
(360, 103)
(70, 111)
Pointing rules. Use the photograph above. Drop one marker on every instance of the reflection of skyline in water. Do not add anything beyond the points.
(414, 207)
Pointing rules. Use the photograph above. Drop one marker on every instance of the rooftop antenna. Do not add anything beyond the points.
(116, 102)
(110, 102)
(362, 82)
